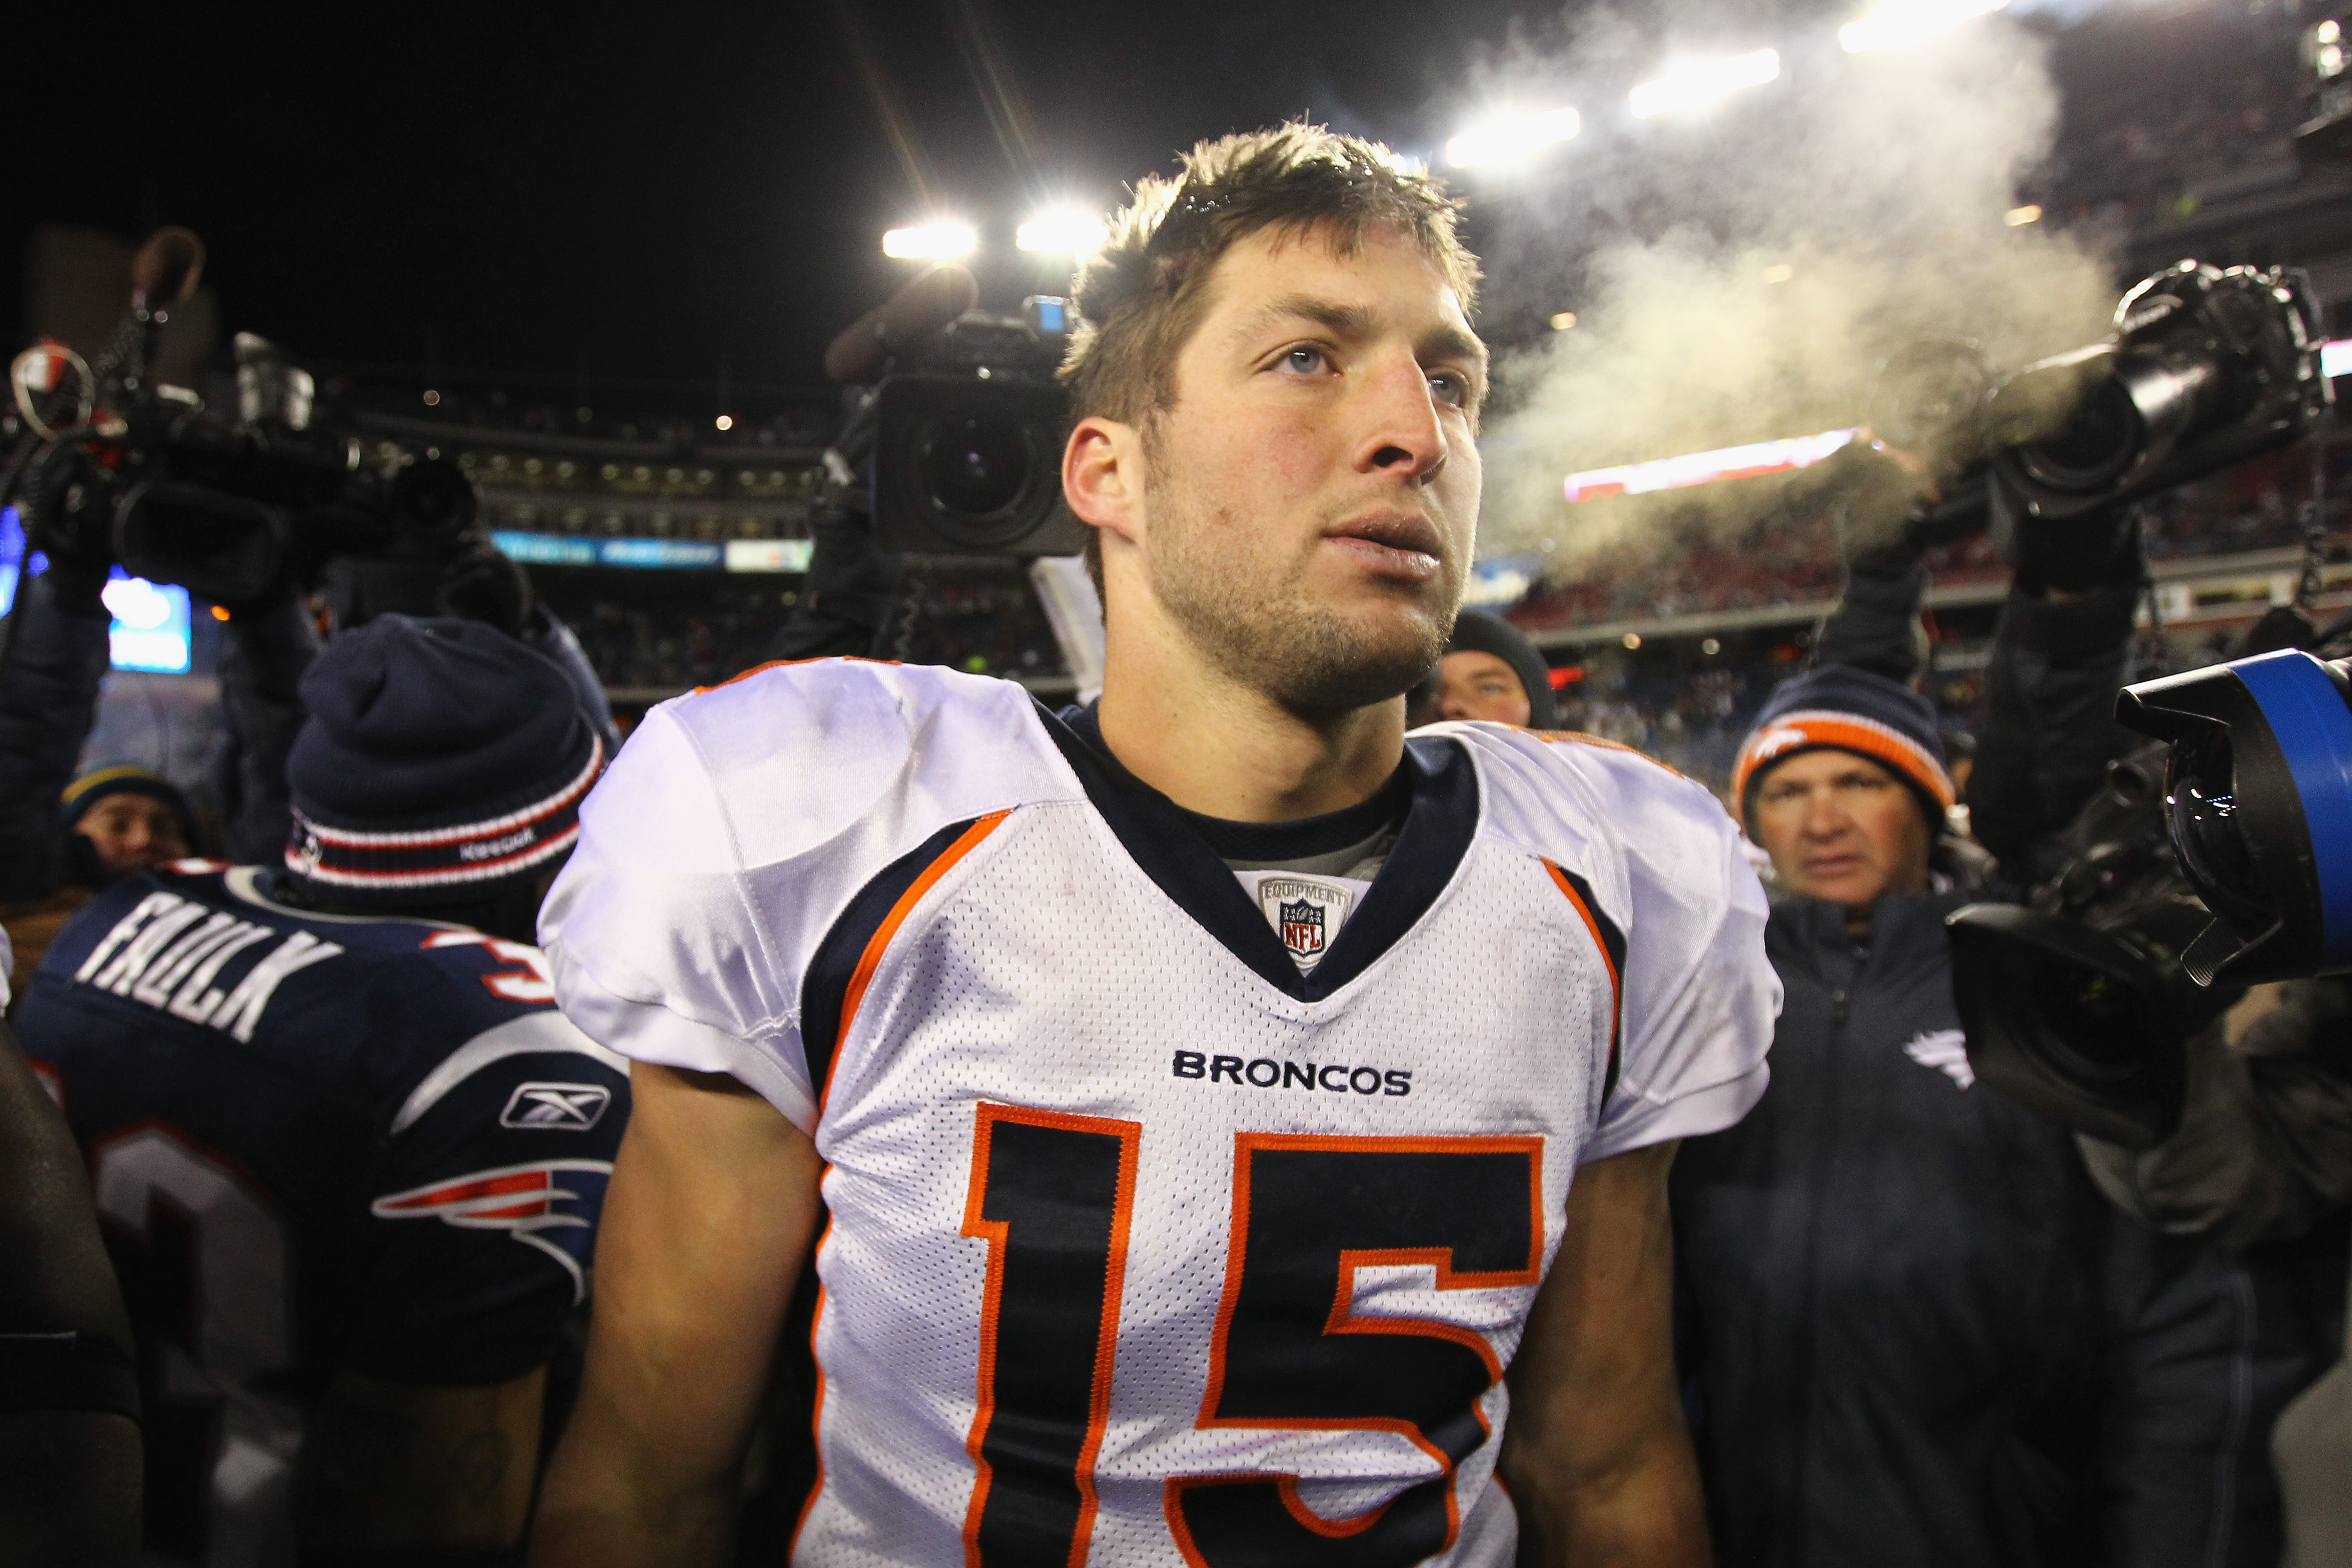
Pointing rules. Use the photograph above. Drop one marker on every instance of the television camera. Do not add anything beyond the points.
(2200, 872)
(238, 502)
(955, 421)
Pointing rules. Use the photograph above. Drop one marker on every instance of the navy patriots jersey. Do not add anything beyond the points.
(318, 1142)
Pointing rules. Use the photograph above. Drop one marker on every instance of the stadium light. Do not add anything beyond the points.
(930, 242)
(1513, 135)
(1705, 467)
(2335, 358)
(1899, 24)
(1703, 84)
(1063, 231)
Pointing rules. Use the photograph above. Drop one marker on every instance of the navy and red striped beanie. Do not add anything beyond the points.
(440, 757)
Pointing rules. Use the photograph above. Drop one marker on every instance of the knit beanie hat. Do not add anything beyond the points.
(1840, 706)
(439, 757)
(1475, 631)
(127, 778)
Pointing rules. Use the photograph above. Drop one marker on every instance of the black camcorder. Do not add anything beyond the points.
(2220, 860)
(234, 504)
(2078, 1002)
(958, 413)
(2258, 800)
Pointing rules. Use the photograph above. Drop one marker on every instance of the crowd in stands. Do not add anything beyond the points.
(985, 619)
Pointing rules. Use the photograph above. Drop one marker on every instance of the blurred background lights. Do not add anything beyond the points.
(137, 602)
(1695, 86)
(1064, 231)
(1510, 136)
(1902, 22)
(930, 242)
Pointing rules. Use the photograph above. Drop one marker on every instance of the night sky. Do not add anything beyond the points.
(659, 188)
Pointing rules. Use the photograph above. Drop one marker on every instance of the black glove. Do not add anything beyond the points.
(2074, 556)
(68, 521)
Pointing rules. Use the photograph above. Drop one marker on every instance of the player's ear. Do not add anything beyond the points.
(1102, 476)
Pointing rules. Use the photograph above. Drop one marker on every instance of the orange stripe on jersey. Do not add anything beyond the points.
(881, 941)
(1607, 959)
(816, 1412)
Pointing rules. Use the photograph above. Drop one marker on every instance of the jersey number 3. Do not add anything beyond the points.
(1053, 1194)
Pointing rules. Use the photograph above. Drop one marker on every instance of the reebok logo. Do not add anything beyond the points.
(556, 1107)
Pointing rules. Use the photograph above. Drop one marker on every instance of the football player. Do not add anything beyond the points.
(349, 1155)
(1229, 1111)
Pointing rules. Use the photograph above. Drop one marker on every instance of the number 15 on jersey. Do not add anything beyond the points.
(1052, 1194)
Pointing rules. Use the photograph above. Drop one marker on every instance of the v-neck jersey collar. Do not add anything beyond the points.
(1167, 843)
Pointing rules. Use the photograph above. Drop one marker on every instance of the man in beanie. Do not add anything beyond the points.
(1914, 1330)
(1492, 671)
(350, 1157)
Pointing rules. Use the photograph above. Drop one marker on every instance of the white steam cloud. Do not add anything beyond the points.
(1744, 274)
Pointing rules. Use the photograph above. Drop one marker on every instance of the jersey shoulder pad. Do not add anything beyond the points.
(738, 821)
(1597, 807)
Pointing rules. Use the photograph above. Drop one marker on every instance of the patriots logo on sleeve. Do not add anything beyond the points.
(537, 1204)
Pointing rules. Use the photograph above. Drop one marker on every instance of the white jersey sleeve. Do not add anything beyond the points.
(736, 825)
(1698, 997)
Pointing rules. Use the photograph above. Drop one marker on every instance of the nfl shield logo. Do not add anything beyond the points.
(1302, 927)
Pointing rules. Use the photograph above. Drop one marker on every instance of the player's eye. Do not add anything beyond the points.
(1452, 388)
(1304, 359)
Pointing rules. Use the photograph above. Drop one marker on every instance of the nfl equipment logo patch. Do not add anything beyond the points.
(1306, 912)
(1302, 928)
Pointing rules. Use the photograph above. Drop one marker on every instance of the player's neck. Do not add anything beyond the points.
(1221, 749)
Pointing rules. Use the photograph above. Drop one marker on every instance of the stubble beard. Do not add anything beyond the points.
(1266, 635)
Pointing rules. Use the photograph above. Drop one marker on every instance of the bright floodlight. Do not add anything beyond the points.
(932, 241)
(1901, 23)
(1512, 135)
(1066, 232)
(1706, 83)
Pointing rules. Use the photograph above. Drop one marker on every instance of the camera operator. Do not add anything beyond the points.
(118, 820)
(1914, 1332)
(351, 1156)
(2262, 1159)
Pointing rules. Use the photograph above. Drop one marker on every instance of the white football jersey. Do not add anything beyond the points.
(1146, 1247)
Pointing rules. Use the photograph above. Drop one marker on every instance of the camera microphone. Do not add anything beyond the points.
(862, 349)
(167, 268)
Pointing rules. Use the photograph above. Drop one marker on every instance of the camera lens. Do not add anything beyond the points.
(2097, 442)
(2201, 786)
(978, 469)
(2090, 1021)
(432, 501)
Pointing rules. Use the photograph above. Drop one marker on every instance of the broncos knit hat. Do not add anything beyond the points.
(1475, 631)
(1847, 710)
(439, 756)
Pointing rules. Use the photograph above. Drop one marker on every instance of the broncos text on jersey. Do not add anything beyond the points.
(1147, 1247)
(318, 1142)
